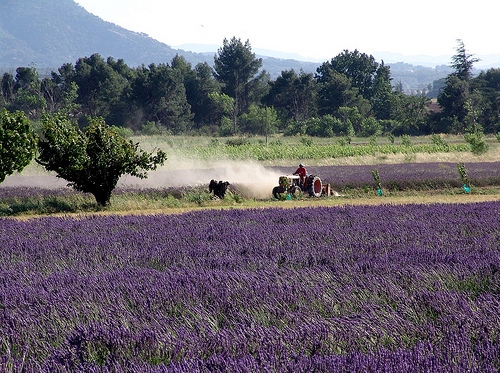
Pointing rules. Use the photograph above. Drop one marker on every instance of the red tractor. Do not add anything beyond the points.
(290, 184)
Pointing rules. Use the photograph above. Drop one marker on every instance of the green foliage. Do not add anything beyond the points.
(329, 126)
(160, 95)
(302, 151)
(405, 140)
(464, 177)
(152, 128)
(369, 127)
(498, 136)
(293, 95)
(223, 103)
(358, 68)
(463, 63)
(391, 138)
(351, 94)
(462, 171)
(237, 142)
(378, 183)
(476, 142)
(214, 142)
(259, 120)
(306, 141)
(17, 143)
(226, 127)
(93, 160)
(235, 67)
(438, 141)
(122, 131)
(344, 141)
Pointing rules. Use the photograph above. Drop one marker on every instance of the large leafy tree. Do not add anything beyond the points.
(100, 86)
(460, 102)
(92, 160)
(358, 67)
(160, 96)
(28, 92)
(488, 83)
(335, 91)
(293, 95)
(235, 67)
(7, 94)
(382, 98)
(411, 114)
(198, 83)
(59, 94)
(463, 62)
(17, 143)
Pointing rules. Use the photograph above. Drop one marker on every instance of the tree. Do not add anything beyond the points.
(100, 87)
(7, 89)
(488, 83)
(17, 143)
(335, 91)
(235, 66)
(198, 83)
(358, 67)
(462, 62)
(411, 114)
(59, 94)
(159, 94)
(460, 104)
(382, 99)
(259, 120)
(28, 92)
(198, 92)
(294, 95)
(93, 160)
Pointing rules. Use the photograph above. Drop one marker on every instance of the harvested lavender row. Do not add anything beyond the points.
(382, 288)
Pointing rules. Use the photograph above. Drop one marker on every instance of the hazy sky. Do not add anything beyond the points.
(316, 29)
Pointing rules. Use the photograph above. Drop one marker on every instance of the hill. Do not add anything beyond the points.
(49, 33)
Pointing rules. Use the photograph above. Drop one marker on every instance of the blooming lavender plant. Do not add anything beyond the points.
(382, 288)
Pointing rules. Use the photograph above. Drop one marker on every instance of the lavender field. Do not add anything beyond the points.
(16, 200)
(409, 175)
(411, 288)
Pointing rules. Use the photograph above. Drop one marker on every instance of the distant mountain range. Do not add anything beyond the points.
(48, 33)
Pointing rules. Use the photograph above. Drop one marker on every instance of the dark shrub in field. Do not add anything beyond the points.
(376, 288)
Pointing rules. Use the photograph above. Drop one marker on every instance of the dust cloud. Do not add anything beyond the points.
(247, 178)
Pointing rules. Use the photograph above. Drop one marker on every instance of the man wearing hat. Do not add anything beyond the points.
(302, 172)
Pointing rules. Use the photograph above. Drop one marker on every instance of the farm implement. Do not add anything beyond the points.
(290, 185)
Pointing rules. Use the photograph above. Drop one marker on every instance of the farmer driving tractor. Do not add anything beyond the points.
(302, 172)
(299, 182)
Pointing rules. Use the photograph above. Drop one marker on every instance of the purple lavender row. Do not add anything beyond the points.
(407, 176)
(383, 288)
(393, 176)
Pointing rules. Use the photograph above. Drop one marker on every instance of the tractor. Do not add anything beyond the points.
(290, 185)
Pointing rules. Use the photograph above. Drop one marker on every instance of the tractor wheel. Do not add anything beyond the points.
(296, 190)
(316, 187)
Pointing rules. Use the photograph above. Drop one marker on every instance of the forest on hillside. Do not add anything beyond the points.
(352, 94)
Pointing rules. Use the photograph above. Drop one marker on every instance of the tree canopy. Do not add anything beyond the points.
(92, 160)
(17, 143)
(235, 66)
(229, 98)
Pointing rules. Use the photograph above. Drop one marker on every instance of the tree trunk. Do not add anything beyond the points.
(102, 197)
